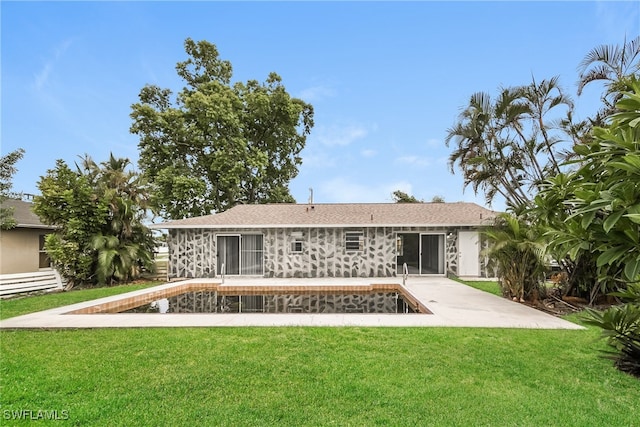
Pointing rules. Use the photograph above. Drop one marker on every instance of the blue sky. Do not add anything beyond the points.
(386, 79)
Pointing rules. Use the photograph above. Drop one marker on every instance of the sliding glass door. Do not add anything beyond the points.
(240, 254)
(422, 253)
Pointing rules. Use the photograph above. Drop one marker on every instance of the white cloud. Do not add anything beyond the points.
(318, 160)
(316, 93)
(340, 134)
(614, 16)
(41, 78)
(413, 160)
(344, 190)
(368, 153)
(434, 143)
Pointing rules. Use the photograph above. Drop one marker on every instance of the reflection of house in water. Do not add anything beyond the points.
(330, 240)
(22, 247)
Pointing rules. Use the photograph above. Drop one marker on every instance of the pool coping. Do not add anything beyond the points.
(452, 303)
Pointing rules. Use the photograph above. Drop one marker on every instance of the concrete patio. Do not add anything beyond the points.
(453, 305)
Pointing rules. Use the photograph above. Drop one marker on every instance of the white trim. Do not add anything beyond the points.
(259, 226)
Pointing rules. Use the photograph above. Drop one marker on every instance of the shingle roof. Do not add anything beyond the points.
(340, 215)
(23, 215)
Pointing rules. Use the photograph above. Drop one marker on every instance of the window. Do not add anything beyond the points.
(44, 261)
(296, 247)
(296, 243)
(354, 241)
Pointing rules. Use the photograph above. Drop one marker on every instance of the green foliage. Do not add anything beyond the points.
(613, 65)
(7, 170)
(98, 211)
(218, 144)
(516, 251)
(597, 205)
(621, 327)
(402, 197)
(508, 145)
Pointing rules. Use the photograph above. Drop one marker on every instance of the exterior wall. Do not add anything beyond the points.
(20, 250)
(324, 253)
(192, 252)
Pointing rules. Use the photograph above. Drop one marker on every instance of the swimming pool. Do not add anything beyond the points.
(218, 298)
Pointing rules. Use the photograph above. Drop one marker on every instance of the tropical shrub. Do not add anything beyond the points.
(621, 327)
(98, 212)
(516, 252)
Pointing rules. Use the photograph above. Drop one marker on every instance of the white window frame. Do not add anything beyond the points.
(296, 245)
(349, 240)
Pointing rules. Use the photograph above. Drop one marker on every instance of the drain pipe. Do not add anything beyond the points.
(405, 273)
(222, 272)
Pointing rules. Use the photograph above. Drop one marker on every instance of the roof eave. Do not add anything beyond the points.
(258, 226)
(39, 226)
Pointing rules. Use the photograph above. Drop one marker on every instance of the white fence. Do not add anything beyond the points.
(48, 280)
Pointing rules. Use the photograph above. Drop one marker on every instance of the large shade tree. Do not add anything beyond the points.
(98, 211)
(217, 144)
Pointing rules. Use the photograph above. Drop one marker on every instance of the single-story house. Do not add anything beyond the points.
(330, 240)
(22, 247)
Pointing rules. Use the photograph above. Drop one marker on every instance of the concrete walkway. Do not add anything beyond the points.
(452, 303)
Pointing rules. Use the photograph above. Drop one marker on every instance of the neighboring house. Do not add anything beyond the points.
(22, 247)
(330, 240)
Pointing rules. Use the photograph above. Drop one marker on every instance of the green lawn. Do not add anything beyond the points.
(491, 287)
(24, 305)
(314, 376)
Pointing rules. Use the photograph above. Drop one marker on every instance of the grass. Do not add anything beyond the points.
(30, 304)
(487, 286)
(315, 376)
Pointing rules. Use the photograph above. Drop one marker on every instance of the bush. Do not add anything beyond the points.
(621, 327)
(516, 252)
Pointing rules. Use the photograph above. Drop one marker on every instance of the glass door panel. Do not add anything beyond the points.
(408, 251)
(229, 254)
(251, 254)
(432, 254)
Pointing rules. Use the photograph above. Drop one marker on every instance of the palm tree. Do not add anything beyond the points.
(124, 245)
(541, 99)
(487, 146)
(516, 251)
(612, 65)
(509, 146)
(119, 260)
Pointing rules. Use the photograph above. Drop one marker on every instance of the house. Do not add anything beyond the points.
(22, 247)
(330, 240)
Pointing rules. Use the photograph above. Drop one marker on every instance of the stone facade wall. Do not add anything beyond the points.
(192, 252)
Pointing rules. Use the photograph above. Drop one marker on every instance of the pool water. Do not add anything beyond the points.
(208, 297)
(325, 302)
